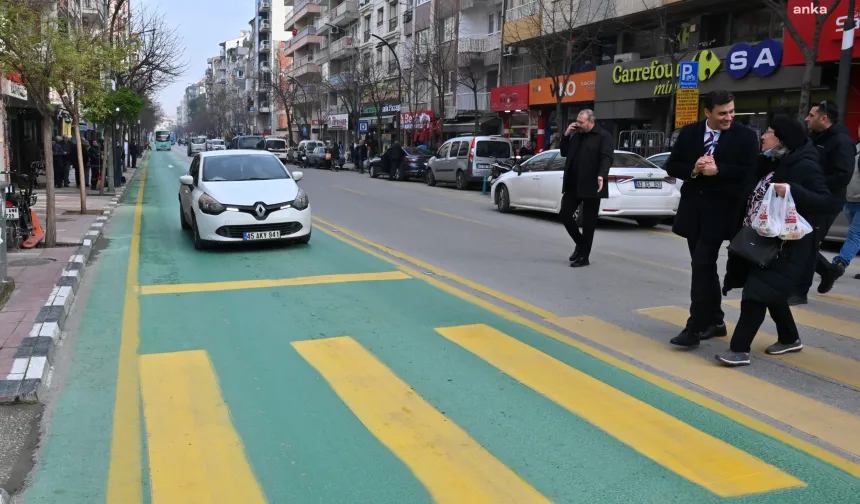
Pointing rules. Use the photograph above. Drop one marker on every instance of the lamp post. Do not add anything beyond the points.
(382, 42)
(844, 77)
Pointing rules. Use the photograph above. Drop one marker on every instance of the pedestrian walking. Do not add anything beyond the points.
(59, 161)
(361, 155)
(789, 161)
(526, 150)
(69, 160)
(716, 159)
(133, 152)
(589, 153)
(395, 155)
(852, 211)
(94, 154)
(836, 155)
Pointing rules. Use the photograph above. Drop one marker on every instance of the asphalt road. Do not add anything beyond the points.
(425, 348)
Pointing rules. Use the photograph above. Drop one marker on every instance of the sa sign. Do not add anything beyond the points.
(763, 59)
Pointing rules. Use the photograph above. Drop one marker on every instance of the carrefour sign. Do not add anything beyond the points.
(763, 59)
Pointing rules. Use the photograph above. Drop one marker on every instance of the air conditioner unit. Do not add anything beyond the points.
(510, 51)
(624, 57)
(334, 30)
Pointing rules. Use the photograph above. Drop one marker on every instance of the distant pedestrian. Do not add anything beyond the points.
(589, 153)
(59, 161)
(716, 159)
(852, 211)
(69, 159)
(526, 150)
(362, 153)
(133, 152)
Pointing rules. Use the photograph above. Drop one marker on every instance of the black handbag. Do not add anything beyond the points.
(755, 248)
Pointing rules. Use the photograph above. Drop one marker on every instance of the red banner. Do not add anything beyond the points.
(507, 98)
(830, 46)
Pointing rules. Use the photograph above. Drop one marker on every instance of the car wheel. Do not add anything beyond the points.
(461, 181)
(503, 199)
(429, 178)
(647, 222)
(182, 221)
(398, 175)
(199, 244)
(373, 173)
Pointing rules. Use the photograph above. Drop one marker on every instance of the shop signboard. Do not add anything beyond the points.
(338, 122)
(508, 98)
(762, 59)
(686, 107)
(417, 120)
(13, 87)
(575, 88)
(316, 123)
(830, 43)
(389, 108)
(688, 77)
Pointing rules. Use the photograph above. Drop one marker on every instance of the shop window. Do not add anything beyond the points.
(750, 26)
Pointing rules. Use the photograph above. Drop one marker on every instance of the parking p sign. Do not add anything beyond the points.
(363, 127)
(689, 75)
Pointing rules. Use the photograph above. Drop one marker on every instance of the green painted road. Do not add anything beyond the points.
(376, 388)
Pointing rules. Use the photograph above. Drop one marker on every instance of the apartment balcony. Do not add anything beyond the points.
(393, 26)
(466, 102)
(302, 66)
(303, 9)
(265, 26)
(264, 108)
(341, 79)
(364, 4)
(522, 23)
(342, 48)
(265, 46)
(93, 11)
(344, 13)
(306, 36)
(471, 4)
(264, 6)
(522, 11)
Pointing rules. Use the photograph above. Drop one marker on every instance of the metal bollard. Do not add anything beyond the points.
(484, 185)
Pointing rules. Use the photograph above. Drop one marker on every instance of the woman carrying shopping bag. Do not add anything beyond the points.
(789, 163)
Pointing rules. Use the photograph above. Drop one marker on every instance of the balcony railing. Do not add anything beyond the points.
(265, 5)
(466, 101)
(522, 11)
(392, 24)
(344, 12)
(392, 68)
(523, 74)
(366, 38)
(341, 79)
(266, 45)
(482, 44)
(265, 26)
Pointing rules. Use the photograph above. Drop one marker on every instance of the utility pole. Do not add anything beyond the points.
(844, 78)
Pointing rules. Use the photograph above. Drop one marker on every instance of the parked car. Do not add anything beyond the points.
(465, 161)
(215, 144)
(413, 166)
(316, 157)
(196, 144)
(254, 142)
(637, 188)
(307, 146)
(278, 147)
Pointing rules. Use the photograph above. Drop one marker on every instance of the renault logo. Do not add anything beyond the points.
(260, 210)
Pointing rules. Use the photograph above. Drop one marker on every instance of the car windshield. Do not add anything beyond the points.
(493, 149)
(162, 136)
(198, 140)
(251, 142)
(630, 160)
(413, 151)
(216, 142)
(276, 144)
(239, 168)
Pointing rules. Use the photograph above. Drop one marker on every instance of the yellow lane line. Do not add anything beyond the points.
(350, 190)
(841, 298)
(817, 419)
(836, 367)
(262, 284)
(648, 263)
(124, 485)
(438, 271)
(452, 466)
(195, 454)
(818, 321)
(690, 453)
(452, 216)
(665, 384)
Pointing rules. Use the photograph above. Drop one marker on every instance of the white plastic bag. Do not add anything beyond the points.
(794, 226)
(768, 221)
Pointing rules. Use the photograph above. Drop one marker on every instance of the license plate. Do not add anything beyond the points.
(12, 213)
(648, 184)
(261, 235)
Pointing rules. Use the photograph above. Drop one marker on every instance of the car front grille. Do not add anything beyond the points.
(286, 228)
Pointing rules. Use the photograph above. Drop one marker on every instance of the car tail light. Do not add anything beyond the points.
(9, 204)
(618, 178)
(411, 159)
(671, 180)
(472, 151)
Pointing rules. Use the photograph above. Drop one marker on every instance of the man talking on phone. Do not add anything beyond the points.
(588, 149)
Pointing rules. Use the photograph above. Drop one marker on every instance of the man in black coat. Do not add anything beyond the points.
(836, 154)
(589, 153)
(716, 159)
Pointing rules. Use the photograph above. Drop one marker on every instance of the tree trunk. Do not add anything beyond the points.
(107, 146)
(50, 202)
(806, 88)
(82, 183)
(670, 117)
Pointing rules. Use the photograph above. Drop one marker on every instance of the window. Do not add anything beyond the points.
(499, 21)
(194, 171)
(493, 149)
(380, 15)
(238, 168)
(750, 26)
(448, 29)
(443, 151)
(629, 161)
(464, 149)
(367, 23)
(455, 147)
(421, 2)
(538, 163)
(557, 164)
(378, 56)
(492, 24)
(392, 10)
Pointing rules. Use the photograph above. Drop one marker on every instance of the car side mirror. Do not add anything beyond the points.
(186, 180)
(297, 175)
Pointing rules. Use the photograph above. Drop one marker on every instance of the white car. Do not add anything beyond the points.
(638, 189)
(243, 195)
(215, 144)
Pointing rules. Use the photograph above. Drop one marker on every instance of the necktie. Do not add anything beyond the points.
(709, 144)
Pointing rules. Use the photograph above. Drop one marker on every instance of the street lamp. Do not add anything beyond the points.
(383, 42)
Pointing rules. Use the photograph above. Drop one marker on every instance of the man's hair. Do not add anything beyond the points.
(589, 114)
(830, 109)
(717, 98)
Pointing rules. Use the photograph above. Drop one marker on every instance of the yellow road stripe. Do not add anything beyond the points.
(452, 216)
(281, 282)
(668, 385)
(124, 484)
(452, 466)
(836, 367)
(439, 271)
(648, 263)
(673, 235)
(818, 321)
(707, 461)
(817, 419)
(350, 190)
(195, 454)
(841, 298)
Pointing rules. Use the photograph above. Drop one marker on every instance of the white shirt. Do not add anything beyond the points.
(708, 132)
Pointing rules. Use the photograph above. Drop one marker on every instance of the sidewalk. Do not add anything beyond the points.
(45, 283)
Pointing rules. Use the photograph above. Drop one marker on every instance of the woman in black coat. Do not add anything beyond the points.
(789, 160)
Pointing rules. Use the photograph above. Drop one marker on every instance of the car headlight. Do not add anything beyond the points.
(210, 205)
(301, 202)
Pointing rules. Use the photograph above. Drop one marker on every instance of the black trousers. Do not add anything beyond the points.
(821, 263)
(752, 316)
(590, 207)
(705, 293)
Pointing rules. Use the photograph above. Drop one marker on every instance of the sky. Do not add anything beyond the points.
(202, 25)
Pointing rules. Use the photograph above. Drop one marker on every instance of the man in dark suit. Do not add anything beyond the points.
(589, 152)
(716, 158)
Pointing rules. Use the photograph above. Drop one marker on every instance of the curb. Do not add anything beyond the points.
(33, 358)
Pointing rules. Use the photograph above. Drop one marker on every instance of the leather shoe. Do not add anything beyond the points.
(685, 338)
(574, 255)
(579, 262)
(713, 331)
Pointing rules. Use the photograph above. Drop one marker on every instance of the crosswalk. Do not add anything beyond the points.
(190, 431)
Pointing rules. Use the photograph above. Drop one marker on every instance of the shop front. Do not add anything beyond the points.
(577, 93)
(337, 128)
(512, 105)
(382, 124)
(634, 96)
(418, 127)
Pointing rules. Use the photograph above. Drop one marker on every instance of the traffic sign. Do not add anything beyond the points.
(363, 126)
(689, 75)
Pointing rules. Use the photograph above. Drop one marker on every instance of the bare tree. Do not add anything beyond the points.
(348, 89)
(378, 86)
(473, 77)
(820, 13)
